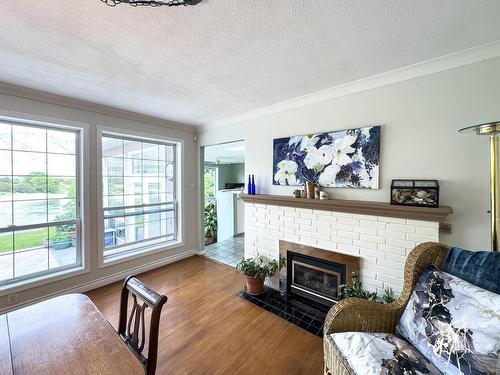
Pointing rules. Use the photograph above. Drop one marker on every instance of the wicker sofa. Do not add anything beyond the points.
(360, 315)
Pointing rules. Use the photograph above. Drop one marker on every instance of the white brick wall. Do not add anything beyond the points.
(382, 243)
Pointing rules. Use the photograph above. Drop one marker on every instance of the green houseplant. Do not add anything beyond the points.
(62, 240)
(210, 224)
(63, 234)
(256, 270)
(388, 296)
(356, 290)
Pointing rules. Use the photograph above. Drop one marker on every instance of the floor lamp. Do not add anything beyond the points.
(492, 129)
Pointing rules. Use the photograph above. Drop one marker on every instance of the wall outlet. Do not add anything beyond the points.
(12, 299)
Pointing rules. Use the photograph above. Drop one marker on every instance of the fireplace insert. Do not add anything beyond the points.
(314, 279)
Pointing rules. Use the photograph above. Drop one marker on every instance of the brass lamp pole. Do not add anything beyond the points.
(492, 129)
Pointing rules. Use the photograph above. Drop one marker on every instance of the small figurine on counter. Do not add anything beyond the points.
(317, 191)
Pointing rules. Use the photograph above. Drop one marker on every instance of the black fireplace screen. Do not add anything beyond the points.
(314, 279)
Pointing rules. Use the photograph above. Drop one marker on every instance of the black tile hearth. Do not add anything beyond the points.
(307, 317)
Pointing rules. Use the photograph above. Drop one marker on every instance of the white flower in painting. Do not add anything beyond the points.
(358, 166)
(286, 173)
(342, 147)
(308, 142)
(294, 140)
(317, 158)
(329, 175)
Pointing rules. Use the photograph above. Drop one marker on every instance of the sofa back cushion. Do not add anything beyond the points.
(455, 324)
(481, 268)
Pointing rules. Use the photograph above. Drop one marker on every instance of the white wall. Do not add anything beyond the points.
(14, 105)
(420, 119)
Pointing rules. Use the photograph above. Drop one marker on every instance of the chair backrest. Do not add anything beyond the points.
(132, 329)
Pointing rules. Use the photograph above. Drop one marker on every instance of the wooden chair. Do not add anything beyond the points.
(132, 330)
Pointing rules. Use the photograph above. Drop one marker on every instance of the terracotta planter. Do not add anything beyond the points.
(254, 285)
(209, 241)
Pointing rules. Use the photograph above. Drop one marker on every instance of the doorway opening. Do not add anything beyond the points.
(223, 209)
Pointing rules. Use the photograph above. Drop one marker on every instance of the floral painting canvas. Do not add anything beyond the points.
(345, 158)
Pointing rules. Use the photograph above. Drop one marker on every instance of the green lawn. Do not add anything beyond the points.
(25, 239)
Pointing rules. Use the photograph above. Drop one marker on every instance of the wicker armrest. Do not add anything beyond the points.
(361, 315)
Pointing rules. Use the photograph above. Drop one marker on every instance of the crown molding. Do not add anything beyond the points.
(45, 97)
(428, 67)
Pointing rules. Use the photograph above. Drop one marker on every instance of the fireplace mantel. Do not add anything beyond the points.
(355, 207)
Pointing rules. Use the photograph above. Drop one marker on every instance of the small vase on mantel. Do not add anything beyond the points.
(310, 189)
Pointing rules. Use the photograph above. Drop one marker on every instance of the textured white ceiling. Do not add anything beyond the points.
(225, 57)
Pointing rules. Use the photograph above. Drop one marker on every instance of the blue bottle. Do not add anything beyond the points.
(249, 185)
(253, 185)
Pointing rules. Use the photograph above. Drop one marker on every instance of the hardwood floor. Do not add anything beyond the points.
(207, 329)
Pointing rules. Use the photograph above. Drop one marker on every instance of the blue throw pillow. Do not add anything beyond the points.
(481, 268)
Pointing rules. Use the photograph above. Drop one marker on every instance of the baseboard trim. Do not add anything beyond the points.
(104, 280)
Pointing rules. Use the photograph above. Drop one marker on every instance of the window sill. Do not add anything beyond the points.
(42, 280)
(145, 251)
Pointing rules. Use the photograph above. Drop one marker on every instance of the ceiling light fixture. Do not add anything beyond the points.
(151, 3)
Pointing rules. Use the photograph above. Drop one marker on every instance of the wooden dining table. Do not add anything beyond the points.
(66, 335)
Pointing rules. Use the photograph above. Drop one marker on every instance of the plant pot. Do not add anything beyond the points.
(254, 285)
(61, 245)
(209, 241)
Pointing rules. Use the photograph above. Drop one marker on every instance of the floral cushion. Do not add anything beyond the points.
(454, 323)
(381, 353)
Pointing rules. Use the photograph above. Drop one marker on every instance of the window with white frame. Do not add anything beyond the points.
(138, 194)
(40, 231)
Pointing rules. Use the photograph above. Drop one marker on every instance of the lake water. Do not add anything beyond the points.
(33, 211)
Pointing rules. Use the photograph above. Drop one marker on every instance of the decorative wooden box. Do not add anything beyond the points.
(420, 193)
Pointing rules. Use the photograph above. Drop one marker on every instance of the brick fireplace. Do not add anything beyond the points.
(381, 243)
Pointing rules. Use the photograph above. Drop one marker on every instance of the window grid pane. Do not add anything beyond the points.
(38, 201)
(135, 188)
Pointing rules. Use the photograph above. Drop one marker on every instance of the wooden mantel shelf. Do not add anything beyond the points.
(354, 207)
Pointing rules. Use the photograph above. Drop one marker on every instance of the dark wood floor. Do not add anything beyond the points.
(207, 329)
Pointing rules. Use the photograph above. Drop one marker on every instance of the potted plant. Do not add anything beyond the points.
(73, 237)
(65, 235)
(210, 224)
(356, 289)
(62, 240)
(256, 270)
